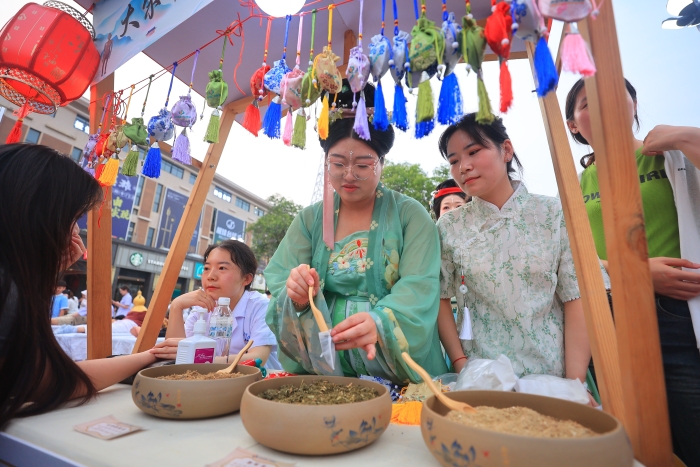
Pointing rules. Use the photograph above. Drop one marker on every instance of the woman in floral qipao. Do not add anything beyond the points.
(507, 259)
(375, 277)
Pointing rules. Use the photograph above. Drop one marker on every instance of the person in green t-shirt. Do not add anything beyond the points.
(676, 290)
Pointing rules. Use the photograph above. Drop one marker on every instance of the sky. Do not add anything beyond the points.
(663, 65)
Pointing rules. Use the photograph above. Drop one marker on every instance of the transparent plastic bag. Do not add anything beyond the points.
(553, 386)
(497, 375)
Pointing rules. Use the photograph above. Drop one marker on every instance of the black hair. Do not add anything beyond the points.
(437, 202)
(37, 215)
(241, 255)
(570, 108)
(124, 287)
(60, 283)
(493, 134)
(380, 141)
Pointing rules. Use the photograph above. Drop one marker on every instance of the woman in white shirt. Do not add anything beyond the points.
(507, 259)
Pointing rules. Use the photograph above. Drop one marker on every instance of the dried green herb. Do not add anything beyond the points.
(192, 375)
(320, 392)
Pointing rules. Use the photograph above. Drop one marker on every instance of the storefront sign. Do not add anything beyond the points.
(136, 259)
(198, 271)
(123, 194)
(123, 28)
(228, 227)
(171, 214)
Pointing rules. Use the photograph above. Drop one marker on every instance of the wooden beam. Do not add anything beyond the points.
(601, 330)
(99, 245)
(178, 249)
(646, 411)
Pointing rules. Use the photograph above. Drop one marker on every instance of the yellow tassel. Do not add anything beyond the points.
(108, 177)
(406, 413)
(323, 120)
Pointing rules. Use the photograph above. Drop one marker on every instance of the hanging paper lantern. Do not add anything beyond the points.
(47, 58)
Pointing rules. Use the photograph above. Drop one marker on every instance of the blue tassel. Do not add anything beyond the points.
(450, 102)
(271, 122)
(381, 120)
(399, 117)
(424, 128)
(547, 77)
(151, 166)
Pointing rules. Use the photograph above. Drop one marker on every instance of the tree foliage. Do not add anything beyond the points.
(269, 230)
(411, 180)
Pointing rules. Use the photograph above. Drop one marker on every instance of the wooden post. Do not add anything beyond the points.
(99, 245)
(601, 330)
(178, 250)
(646, 412)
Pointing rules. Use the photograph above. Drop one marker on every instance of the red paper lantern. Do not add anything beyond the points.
(47, 57)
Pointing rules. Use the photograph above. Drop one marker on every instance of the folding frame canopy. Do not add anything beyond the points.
(627, 354)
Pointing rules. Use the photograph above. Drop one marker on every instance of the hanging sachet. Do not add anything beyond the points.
(380, 59)
(310, 90)
(138, 134)
(290, 89)
(473, 43)
(426, 52)
(184, 114)
(113, 145)
(273, 83)
(358, 74)
(327, 76)
(216, 95)
(566, 10)
(450, 100)
(161, 128)
(251, 119)
(90, 150)
(527, 20)
(528, 24)
(397, 66)
(499, 35)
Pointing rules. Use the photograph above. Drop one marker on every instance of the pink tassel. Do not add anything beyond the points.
(328, 214)
(287, 136)
(575, 55)
(361, 125)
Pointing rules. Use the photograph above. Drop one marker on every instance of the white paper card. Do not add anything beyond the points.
(466, 332)
(106, 428)
(244, 458)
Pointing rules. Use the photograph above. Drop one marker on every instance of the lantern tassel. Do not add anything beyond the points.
(212, 134)
(181, 148)
(16, 132)
(450, 101)
(287, 136)
(485, 115)
(506, 87)
(323, 120)
(361, 125)
(423, 129)
(576, 57)
(131, 161)
(271, 121)
(251, 121)
(108, 177)
(299, 135)
(381, 119)
(399, 117)
(98, 170)
(151, 166)
(547, 77)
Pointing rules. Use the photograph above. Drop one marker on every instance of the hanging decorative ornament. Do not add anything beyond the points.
(527, 20)
(90, 158)
(450, 100)
(216, 94)
(114, 143)
(138, 134)
(290, 89)
(310, 93)
(499, 35)
(358, 73)
(251, 120)
(380, 55)
(327, 76)
(101, 150)
(473, 42)
(273, 83)
(47, 59)
(161, 128)
(184, 114)
(397, 66)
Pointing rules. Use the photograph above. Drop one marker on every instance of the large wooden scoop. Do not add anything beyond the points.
(446, 401)
(232, 366)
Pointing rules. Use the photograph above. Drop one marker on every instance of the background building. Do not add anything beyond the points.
(145, 212)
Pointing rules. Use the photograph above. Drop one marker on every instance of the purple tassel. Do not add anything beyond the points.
(181, 148)
(361, 126)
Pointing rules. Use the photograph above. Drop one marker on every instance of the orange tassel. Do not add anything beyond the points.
(406, 413)
(16, 132)
(251, 121)
(506, 87)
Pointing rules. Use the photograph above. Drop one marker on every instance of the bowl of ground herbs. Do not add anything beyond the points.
(519, 430)
(191, 390)
(316, 415)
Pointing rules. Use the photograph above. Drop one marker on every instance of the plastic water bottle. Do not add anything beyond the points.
(221, 327)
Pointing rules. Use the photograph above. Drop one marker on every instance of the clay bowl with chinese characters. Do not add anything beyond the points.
(453, 443)
(183, 399)
(315, 429)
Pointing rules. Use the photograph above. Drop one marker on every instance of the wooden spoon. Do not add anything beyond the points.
(446, 401)
(237, 359)
(322, 327)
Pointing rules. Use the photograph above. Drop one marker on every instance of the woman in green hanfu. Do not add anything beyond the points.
(372, 256)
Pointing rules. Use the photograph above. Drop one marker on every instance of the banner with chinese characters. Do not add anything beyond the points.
(123, 194)
(123, 28)
(170, 216)
(228, 227)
